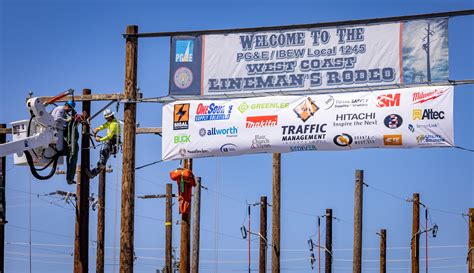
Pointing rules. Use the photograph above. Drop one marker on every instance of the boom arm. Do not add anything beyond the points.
(19, 146)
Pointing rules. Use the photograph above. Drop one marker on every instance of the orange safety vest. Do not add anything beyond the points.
(185, 180)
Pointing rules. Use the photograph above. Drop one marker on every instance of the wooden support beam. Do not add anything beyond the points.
(415, 239)
(383, 251)
(470, 256)
(196, 227)
(139, 130)
(276, 198)
(101, 224)
(3, 203)
(185, 242)
(262, 263)
(358, 204)
(93, 97)
(169, 229)
(328, 251)
(5, 131)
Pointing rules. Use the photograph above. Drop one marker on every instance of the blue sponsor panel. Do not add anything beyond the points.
(185, 65)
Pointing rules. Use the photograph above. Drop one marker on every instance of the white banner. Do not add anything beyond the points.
(399, 118)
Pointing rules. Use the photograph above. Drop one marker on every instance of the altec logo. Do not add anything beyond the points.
(422, 97)
(392, 140)
(261, 121)
(422, 114)
(388, 100)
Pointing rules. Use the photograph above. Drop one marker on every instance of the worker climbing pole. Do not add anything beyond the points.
(185, 180)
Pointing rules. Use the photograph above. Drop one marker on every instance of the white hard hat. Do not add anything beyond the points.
(108, 113)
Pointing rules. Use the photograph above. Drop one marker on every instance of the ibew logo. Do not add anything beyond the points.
(184, 51)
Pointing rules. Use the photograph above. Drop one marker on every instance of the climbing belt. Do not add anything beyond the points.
(185, 180)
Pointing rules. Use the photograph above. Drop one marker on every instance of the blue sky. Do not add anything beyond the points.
(50, 46)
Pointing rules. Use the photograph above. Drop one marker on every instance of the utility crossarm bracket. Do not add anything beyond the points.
(139, 130)
(151, 196)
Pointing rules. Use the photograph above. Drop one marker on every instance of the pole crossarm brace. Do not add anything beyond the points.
(309, 26)
(94, 97)
(140, 130)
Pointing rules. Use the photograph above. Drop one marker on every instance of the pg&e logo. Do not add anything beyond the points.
(184, 51)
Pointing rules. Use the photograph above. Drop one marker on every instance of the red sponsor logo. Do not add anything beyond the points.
(261, 121)
(388, 100)
(422, 97)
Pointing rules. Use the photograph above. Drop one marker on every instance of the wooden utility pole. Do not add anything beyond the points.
(169, 229)
(276, 198)
(328, 250)
(101, 223)
(128, 156)
(415, 239)
(471, 242)
(358, 202)
(262, 263)
(81, 240)
(196, 226)
(383, 251)
(185, 246)
(3, 139)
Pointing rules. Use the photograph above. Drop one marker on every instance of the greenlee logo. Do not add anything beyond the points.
(182, 139)
(243, 107)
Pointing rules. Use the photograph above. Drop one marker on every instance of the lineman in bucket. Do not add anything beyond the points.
(110, 141)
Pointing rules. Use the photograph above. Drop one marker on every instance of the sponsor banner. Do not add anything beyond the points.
(398, 118)
(295, 60)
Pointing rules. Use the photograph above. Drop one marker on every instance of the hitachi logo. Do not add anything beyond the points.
(358, 116)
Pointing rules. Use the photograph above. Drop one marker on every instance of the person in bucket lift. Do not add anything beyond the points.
(110, 141)
(60, 115)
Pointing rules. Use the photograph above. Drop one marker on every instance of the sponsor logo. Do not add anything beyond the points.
(427, 126)
(343, 140)
(422, 97)
(182, 139)
(184, 51)
(243, 107)
(364, 140)
(304, 133)
(303, 148)
(393, 121)
(392, 140)
(181, 116)
(422, 114)
(388, 100)
(228, 148)
(430, 140)
(212, 111)
(327, 102)
(183, 77)
(183, 152)
(355, 119)
(411, 128)
(260, 142)
(306, 109)
(228, 132)
(346, 103)
(261, 121)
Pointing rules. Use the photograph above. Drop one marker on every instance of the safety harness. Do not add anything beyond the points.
(185, 180)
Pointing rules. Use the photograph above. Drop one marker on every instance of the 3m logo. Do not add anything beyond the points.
(181, 116)
(392, 140)
(388, 100)
(261, 121)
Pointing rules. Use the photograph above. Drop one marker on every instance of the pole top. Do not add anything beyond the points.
(3, 125)
(132, 29)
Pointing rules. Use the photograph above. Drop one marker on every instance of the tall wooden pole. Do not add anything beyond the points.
(169, 229)
(471, 241)
(358, 202)
(185, 244)
(101, 223)
(276, 198)
(328, 250)
(262, 263)
(128, 157)
(196, 226)
(3, 139)
(415, 239)
(383, 251)
(81, 241)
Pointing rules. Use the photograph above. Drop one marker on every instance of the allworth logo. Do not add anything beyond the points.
(261, 121)
(388, 100)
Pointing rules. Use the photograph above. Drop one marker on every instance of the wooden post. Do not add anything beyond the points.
(128, 156)
(81, 242)
(358, 202)
(383, 251)
(196, 226)
(328, 250)
(471, 241)
(185, 244)
(276, 198)
(169, 228)
(101, 223)
(262, 268)
(415, 239)
(3, 139)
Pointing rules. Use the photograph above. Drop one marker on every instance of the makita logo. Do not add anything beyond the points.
(388, 100)
(261, 121)
(422, 97)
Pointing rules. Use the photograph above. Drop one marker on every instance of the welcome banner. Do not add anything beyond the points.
(310, 59)
(400, 118)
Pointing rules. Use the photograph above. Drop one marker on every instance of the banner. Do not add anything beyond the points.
(310, 59)
(400, 118)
